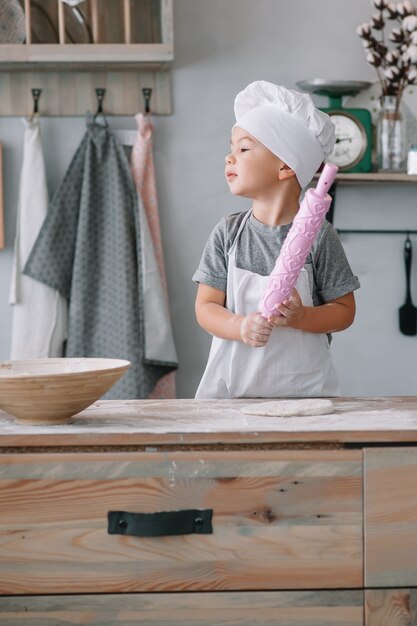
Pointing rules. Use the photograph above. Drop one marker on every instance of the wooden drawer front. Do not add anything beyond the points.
(391, 517)
(390, 607)
(292, 608)
(281, 520)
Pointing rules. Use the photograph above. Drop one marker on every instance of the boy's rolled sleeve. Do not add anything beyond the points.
(341, 289)
(211, 281)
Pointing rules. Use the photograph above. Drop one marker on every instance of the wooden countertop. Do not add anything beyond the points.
(209, 422)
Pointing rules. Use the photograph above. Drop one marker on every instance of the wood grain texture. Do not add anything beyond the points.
(374, 177)
(95, 21)
(281, 520)
(151, 21)
(61, 22)
(63, 55)
(111, 19)
(73, 93)
(390, 517)
(127, 21)
(184, 422)
(28, 21)
(51, 390)
(167, 21)
(391, 607)
(318, 608)
(148, 22)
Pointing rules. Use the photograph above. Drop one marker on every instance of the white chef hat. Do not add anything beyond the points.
(288, 124)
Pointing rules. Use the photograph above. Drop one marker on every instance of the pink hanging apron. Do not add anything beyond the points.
(143, 172)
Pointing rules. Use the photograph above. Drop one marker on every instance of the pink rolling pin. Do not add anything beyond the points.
(298, 243)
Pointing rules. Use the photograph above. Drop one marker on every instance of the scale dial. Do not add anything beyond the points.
(351, 140)
(353, 150)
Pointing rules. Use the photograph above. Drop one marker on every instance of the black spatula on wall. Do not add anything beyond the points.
(408, 312)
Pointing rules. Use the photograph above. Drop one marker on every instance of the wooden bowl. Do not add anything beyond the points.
(51, 391)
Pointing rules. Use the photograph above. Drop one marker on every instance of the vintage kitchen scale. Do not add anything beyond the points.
(353, 148)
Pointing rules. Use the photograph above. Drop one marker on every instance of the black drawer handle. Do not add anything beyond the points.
(187, 522)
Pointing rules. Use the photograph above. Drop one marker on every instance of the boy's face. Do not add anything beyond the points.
(251, 169)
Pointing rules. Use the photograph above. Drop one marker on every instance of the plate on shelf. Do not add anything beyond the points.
(44, 27)
(77, 25)
(12, 22)
(44, 20)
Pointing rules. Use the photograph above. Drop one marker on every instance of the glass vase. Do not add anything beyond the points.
(391, 137)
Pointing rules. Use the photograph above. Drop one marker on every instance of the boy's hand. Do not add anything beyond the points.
(292, 312)
(255, 330)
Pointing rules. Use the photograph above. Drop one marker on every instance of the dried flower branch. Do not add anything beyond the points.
(394, 56)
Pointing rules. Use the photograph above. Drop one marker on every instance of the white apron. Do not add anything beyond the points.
(293, 363)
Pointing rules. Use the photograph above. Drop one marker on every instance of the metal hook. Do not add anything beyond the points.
(36, 94)
(147, 93)
(100, 93)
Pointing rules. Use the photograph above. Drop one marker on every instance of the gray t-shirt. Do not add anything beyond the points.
(258, 248)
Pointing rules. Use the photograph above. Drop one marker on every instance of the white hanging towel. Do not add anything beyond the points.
(39, 313)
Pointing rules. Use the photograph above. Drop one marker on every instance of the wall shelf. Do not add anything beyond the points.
(122, 47)
(369, 179)
(44, 57)
(375, 177)
(73, 93)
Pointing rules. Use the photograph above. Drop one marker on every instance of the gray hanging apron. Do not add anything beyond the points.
(89, 249)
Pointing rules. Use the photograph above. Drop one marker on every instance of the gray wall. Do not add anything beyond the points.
(220, 46)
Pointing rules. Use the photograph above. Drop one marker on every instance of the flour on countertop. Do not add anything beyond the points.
(287, 408)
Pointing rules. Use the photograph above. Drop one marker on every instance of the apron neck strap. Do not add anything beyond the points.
(232, 250)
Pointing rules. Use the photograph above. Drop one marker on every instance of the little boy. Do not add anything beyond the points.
(278, 142)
